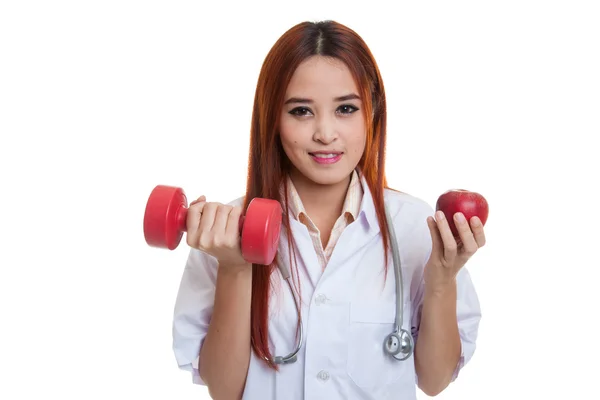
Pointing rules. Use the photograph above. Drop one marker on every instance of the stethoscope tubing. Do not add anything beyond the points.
(398, 344)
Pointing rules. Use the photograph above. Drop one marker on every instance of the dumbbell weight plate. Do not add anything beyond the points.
(260, 231)
(164, 218)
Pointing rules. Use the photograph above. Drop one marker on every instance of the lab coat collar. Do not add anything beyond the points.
(356, 235)
(367, 207)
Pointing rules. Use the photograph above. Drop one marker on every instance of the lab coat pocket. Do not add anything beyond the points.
(370, 323)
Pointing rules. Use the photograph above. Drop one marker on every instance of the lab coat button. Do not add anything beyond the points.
(323, 375)
(320, 299)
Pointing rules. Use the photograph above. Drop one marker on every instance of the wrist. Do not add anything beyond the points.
(235, 269)
(441, 290)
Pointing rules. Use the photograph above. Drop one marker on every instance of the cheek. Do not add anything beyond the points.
(288, 141)
(292, 136)
(289, 144)
(358, 140)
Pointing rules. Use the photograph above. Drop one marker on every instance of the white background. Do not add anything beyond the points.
(102, 100)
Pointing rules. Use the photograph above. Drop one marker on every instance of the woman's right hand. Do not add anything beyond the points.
(214, 229)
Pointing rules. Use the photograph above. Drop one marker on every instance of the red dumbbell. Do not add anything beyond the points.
(166, 214)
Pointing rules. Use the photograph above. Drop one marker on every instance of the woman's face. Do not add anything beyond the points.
(322, 123)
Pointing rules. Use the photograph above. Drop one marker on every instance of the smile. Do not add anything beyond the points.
(326, 158)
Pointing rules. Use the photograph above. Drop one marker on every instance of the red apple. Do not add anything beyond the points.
(460, 200)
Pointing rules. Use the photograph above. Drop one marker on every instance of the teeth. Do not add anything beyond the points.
(331, 155)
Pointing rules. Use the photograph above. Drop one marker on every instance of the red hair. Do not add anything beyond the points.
(268, 164)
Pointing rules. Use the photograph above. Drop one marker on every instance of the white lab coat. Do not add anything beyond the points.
(347, 311)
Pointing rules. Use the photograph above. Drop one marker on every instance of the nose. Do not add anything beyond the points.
(325, 129)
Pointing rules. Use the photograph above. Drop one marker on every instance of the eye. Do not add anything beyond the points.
(300, 111)
(347, 109)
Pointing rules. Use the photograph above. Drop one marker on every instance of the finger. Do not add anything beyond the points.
(194, 215)
(478, 232)
(233, 222)
(198, 200)
(448, 240)
(221, 217)
(469, 245)
(207, 220)
(436, 240)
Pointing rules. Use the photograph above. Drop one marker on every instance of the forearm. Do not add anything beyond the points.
(438, 346)
(225, 355)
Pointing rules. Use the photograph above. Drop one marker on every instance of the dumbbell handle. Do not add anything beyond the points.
(182, 219)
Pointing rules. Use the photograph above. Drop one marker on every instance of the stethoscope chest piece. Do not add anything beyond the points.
(399, 344)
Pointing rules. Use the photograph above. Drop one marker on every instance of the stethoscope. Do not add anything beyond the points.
(399, 344)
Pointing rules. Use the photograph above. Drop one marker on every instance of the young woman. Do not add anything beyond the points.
(323, 332)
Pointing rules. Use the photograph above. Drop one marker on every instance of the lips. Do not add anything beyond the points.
(325, 155)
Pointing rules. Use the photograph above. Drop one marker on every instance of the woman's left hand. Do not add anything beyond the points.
(450, 254)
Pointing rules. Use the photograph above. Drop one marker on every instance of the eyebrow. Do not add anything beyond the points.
(309, 101)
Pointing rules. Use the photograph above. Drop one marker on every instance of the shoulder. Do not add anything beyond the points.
(409, 215)
(405, 205)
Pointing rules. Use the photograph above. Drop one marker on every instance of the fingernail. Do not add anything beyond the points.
(460, 217)
(475, 221)
(439, 215)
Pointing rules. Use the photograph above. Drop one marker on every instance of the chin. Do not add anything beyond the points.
(332, 177)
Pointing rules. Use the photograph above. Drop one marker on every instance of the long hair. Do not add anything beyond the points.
(268, 164)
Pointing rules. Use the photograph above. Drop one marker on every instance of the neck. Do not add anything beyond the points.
(321, 200)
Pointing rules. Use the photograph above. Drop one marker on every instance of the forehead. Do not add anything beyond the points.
(324, 76)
